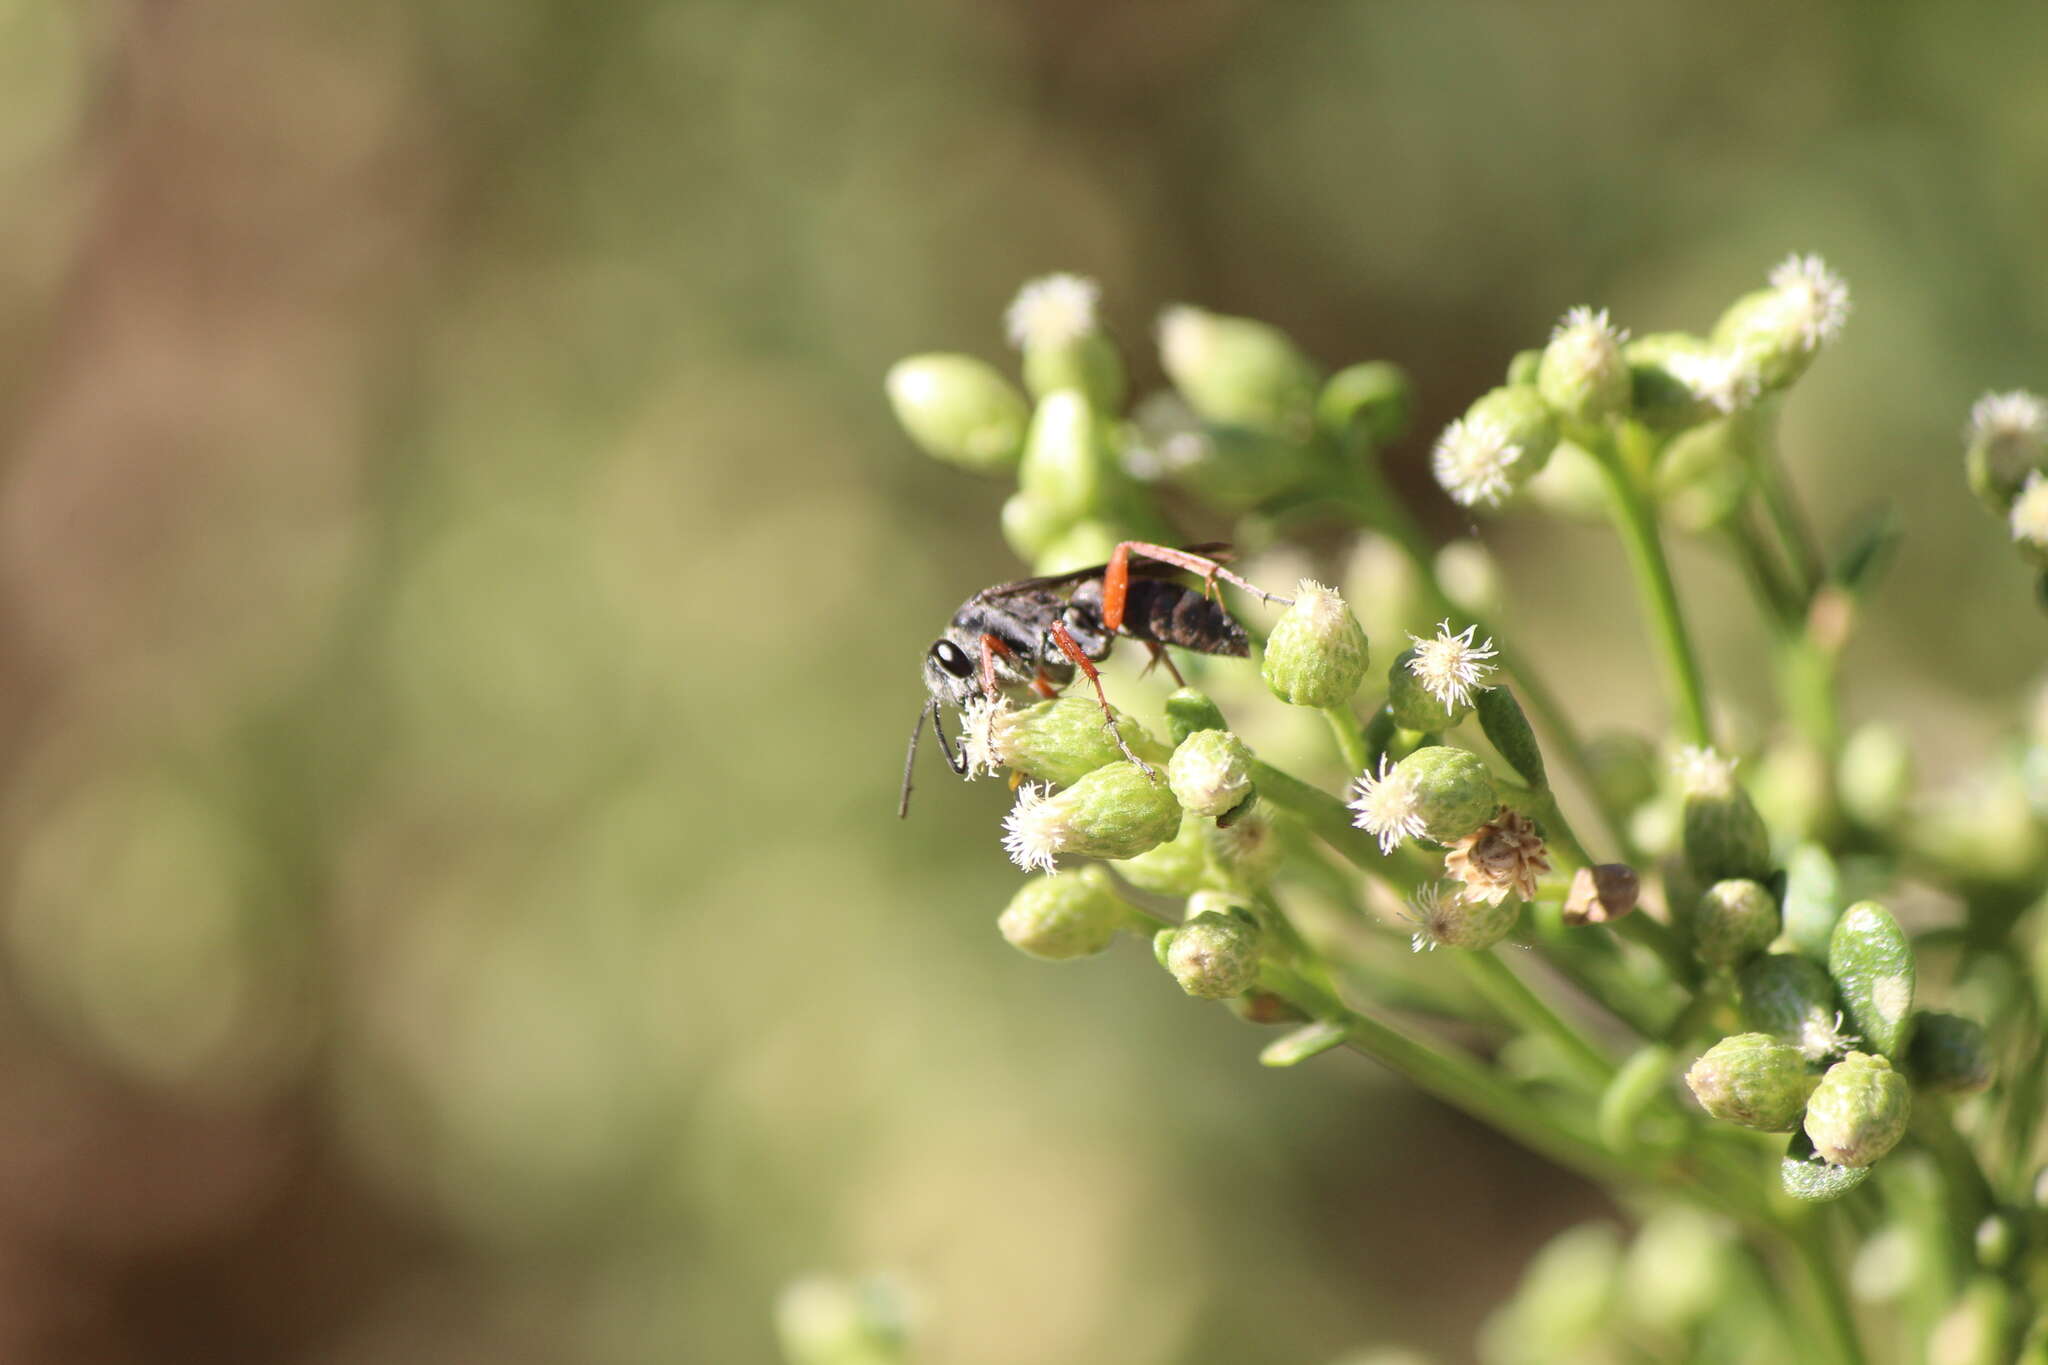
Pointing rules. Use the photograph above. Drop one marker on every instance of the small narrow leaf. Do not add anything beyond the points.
(1302, 1044)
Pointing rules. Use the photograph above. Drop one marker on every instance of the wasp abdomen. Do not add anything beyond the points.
(1170, 614)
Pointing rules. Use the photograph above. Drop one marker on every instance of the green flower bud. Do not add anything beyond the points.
(1811, 1178)
(1238, 372)
(1858, 1112)
(1030, 524)
(1181, 866)
(1813, 900)
(1871, 960)
(1571, 486)
(1450, 921)
(1782, 328)
(1244, 847)
(1068, 466)
(1583, 377)
(1624, 769)
(2007, 441)
(1053, 321)
(1503, 441)
(1508, 730)
(1875, 776)
(1678, 1268)
(1995, 1240)
(1056, 918)
(1215, 955)
(1949, 1054)
(1678, 380)
(1564, 1307)
(824, 1320)
(1754, 1080)
(1522, 368)
(1058, 741)
(1703, 477)
(1116, 811)
(1079, 545)
(1210, 773)
(1376, 397)
(1231, 468)
(1413, 708)
(1725, 838)
(1452, 789)
(1734, 920)
(1189, 711)
(2028, 519)
(960, 410)
(1791, 998)
(1317, 654)
(1470, 576)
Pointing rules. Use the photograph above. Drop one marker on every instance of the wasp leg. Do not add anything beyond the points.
(1116, 577)
(991, 646)
(1065, 640)
(1160, 656)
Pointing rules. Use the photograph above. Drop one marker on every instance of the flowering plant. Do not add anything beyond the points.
(1723, 1016)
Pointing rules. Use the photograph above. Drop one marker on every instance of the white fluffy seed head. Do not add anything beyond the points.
(1450, 667)
(2013, 416)
(1387, 805)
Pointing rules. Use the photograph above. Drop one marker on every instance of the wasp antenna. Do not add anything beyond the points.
(910, 757)
(956, 758)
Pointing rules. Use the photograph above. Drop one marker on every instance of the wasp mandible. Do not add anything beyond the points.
(1037, 633)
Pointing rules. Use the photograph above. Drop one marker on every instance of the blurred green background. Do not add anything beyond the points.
(461, 595)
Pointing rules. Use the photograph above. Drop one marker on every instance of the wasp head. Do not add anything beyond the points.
(949, 672)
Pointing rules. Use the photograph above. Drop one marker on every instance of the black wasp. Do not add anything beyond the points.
(1037, 633)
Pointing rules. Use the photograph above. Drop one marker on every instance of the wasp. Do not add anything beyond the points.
(1040, 633)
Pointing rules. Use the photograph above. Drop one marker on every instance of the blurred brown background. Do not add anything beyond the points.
(461, 593)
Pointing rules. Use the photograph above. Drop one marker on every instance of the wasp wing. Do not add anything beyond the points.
(1139, 567)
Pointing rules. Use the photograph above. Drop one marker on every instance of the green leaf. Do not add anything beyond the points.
(1806, 1175)
(1302, 1044)
(1507, 729)
(1813, 899)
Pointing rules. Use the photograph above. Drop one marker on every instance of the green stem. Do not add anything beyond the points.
(1760, 566)
(1509, 994)
(1350, 737)
(1330, 820)
(1636, 521)
(1637, 927)
(1781, 504)
(1838, 1319)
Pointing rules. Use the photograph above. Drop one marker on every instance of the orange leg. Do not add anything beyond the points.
(1116, 576)
(991, 646)
(1068, 647)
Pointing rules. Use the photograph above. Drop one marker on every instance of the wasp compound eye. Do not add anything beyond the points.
(952, 658)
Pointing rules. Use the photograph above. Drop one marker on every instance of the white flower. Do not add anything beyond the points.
(2030, 511)
(1449, 666)
(1703, 772)
(2016, 416)
(1725, 379)
(1053, 311)
(1472, 460)
(1431, 917)
(1814, 299)
(1387, 805)
(980, 741)
(1588, 324)
(1821, 1038)
(1034, 829)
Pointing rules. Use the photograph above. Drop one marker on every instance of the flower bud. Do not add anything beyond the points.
(1054, 321)
(1572, 486)
(1116, 811)
(1875, 776)
(1244, 847)
(1452, 791)
(1469, 575)
(1503, 441)
(1317, 654)
(1811, 1178)
(1522, 368)
(1215, 955)
(1448, 919)
(1858, 1112)
(1583, 377)
(1783, 327)
(1949, 1054)
(1068, 466)
(1601, 895)
(1679, 1268)
(1724, 836)
(2029, 519)
(960, 410)
(1210, 773)
(1813, 900)
(1678, 380)
(1791, 998)
(1030, 524)
(1624, 769)
(1056, 918)
(1188, 711)
(1754, 1080)
(1702, 477)
(825, 1320)
(1058, 741)
(1237, 371)
(1179, 867)
(1734, 919)
(2007, 440)
(1871, 960)
(1375, 397)
(1564, 1307)
(1414, 708)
